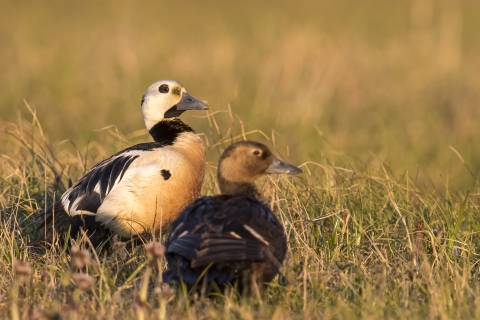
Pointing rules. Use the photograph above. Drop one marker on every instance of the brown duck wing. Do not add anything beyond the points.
(217, 248)
(226, 234)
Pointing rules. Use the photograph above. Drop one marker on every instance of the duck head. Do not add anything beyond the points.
(167, 99)
(245, 161)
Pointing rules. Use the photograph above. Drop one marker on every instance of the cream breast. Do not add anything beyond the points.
(156, 188)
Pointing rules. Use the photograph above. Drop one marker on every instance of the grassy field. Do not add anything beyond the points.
(378, 102)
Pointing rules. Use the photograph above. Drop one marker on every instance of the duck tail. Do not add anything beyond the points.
(55, 221)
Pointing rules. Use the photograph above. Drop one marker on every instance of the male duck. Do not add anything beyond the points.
(143, 187)
(234, 236)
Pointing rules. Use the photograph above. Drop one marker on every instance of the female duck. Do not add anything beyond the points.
(233, 236)
(143, 187)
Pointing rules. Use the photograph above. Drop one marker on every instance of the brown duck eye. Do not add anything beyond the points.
(164, 88)
(256, 152)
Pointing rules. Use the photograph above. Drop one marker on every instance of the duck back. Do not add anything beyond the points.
(236, 239)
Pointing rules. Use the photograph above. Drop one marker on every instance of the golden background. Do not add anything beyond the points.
(369, 83)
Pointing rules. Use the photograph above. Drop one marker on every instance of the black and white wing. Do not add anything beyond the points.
(88, 194)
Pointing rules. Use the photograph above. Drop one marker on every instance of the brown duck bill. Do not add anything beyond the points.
(280, 166)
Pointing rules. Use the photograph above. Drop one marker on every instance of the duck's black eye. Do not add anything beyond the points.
(164, 88)
(256, 152)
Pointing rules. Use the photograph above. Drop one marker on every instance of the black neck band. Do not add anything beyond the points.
(166, 131)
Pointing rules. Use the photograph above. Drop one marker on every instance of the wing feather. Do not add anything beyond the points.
(88, 194)
(116, 170)
(226, 248)
(186, 246)
(90, 203)
(236, 232)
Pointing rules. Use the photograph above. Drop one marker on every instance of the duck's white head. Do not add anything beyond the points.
(167, 99)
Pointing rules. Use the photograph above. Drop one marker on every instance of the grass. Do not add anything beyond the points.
(396, 79)
(363, 243)
(378, 101)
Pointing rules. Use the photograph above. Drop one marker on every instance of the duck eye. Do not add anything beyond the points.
(164, 88)
(256, 152)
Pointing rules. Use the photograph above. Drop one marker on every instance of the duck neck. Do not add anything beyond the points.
(167, 130)
(239, 188)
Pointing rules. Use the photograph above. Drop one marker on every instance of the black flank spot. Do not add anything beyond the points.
(165, 174)
(143, 99)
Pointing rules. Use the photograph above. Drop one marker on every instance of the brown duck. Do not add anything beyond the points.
(233, 237)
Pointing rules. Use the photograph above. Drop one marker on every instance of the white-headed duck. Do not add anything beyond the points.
(144, 187)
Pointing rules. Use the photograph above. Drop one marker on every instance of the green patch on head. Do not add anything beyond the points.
(177, 90)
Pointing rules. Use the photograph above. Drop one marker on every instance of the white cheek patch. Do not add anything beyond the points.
(255, 234)
(155, 104)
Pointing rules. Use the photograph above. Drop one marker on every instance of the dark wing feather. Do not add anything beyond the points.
(127, 164)
(116, 169)
(236, 232)
(183, 246)
(226, 248)
(90, 203)
(105, 173)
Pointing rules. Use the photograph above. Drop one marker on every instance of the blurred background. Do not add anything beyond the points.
(373, 82)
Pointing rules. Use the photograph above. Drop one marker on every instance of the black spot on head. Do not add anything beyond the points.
(177, 91)
(165, 174)
(143, 99)
(266, 154)
(164, 88)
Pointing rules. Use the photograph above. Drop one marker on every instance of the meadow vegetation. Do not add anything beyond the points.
(378, 102)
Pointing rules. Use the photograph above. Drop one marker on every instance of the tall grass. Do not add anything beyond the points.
(363, 243)
(396, 79)
(378, 101)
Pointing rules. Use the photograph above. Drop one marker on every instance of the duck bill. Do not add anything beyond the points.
(190, 103)
(280, 166)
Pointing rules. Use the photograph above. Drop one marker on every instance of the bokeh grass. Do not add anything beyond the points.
(378, 100)
(397, 80)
